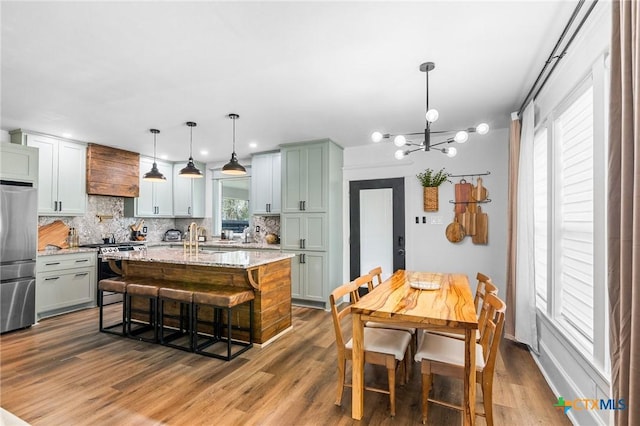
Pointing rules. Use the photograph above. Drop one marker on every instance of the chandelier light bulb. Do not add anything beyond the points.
(399, 154)
(482, 129)
(432, 115)
(461, 136)
(451, 151)
(376, 137)
(399, 140)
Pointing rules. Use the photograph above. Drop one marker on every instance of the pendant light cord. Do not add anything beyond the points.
(191, 142)
(234, 134)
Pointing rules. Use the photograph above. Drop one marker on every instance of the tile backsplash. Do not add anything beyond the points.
(91, 230)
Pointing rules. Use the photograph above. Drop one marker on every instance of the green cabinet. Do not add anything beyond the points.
(311, 218)
(155, 198)
(266, 183)
(308, 277)
(61, 173)
(188, 193)
(305, 178)
(65, 282)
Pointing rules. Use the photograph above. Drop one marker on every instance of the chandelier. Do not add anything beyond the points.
(402, 140)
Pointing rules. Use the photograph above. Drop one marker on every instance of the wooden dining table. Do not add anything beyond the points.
(450, 307)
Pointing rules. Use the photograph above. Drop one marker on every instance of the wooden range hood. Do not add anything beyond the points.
(112, 171)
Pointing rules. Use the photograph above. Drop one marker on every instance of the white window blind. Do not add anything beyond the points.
(540, 208)
(574, 133)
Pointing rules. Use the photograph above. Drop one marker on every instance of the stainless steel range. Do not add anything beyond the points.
(105, 271)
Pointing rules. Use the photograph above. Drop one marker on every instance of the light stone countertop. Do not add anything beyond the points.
(219, 244)
(231, 259)
(55, 250)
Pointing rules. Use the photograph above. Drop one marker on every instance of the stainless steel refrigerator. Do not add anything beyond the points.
(18, 247)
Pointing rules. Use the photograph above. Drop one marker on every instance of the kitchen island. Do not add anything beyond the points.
(267, 273)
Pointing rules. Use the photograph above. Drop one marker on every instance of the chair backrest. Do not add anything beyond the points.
(338, 312)
(485, 286)
(377, 274)
(491, 331)
(364, 279)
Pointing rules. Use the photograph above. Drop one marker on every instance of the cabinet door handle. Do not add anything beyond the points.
(55, 206)
(51, 278)
(301, 243)
(52, 263)
(304, 243)
(82, 260)
(300, 205)
(188, 210)
(304, 205)
(82, 274)
(302, 258)
(59, 206)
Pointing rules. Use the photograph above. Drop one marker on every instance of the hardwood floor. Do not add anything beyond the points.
(64, 372)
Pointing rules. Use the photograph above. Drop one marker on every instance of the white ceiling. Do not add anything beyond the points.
(106, 72)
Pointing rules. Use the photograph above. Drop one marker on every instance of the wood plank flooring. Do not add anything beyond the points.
(64, 372)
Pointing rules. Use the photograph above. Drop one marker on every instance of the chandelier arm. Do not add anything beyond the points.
(409, 151)
(446, 141)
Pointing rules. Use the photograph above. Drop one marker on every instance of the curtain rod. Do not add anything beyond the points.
(553, 56)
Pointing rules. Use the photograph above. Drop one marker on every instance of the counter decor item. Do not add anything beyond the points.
(430, 182)
(55, 233)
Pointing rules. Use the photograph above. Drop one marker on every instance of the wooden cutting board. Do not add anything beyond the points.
(479, 192)
(482, 228)
(454, 231)
(469, 223)
(463, 195)
(53, 234)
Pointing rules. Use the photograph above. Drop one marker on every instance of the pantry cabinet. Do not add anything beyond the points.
(61, 173)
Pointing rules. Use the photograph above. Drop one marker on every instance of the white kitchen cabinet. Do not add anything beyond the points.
(155, 198)
(188, 193)
(19, 163)
(61, 174)
(266, 183)
(304, 231)
(308, 278)
(65, 283)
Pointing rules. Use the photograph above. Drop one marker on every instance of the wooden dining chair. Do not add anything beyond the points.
(484, 287)
(376, 275)
(388, 348)
(440, 355)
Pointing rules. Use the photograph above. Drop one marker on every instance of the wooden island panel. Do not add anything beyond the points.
(272, 304)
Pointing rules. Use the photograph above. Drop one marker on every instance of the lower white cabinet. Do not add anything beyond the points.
(308, 277)
(65, 283)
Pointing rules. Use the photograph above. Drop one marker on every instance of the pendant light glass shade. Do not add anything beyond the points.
(154, 174)
(233, 167)
(190, 171)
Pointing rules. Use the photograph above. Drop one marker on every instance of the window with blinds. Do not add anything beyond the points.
(540, 211)
(573, 132)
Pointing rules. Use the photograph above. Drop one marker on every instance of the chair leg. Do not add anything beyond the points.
(391, 372)
(341, 372)
(487, 397)
(426, 388)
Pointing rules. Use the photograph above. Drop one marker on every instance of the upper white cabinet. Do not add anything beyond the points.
(305, 180)
(61, 174)
(265, 183)
(188, 193)
(156, 198)
(19, 163)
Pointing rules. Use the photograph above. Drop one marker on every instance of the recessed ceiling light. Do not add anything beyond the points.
(66, 135)
(204, 152)
(164, 156)
(253, 145)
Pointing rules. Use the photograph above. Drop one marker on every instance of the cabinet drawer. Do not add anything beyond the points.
(61, 290)
(68, 261)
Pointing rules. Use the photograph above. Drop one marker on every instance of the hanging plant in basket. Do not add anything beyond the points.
(430, 182)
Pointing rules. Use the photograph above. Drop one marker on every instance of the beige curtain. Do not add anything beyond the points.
(514, 156)
(624, 210)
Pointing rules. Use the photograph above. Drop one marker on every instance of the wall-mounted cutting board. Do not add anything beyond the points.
(53, 234)
(482, 228)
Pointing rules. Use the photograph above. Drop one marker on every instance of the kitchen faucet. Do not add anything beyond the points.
(193, 238)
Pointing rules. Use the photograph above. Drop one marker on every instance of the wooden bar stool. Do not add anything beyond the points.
(114, 285)
(148, 291)
(184, 298)
(222, 300)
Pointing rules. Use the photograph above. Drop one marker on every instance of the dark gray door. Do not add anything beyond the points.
(376, 221)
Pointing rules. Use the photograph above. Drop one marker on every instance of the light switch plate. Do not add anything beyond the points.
(435, 220)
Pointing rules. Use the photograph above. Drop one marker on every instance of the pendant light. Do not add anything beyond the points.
(191, 171)
(154, 174)
(233, 167)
